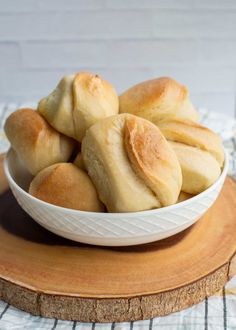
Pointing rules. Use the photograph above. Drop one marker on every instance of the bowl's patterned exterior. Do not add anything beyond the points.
(113, 229)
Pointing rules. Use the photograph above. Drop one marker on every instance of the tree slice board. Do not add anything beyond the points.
(50, 276)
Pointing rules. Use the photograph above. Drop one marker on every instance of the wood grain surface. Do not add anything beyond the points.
(53, 277)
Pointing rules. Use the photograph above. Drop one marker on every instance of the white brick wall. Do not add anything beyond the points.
(126, 41)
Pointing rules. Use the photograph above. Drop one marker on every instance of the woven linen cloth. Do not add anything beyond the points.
(215, 313)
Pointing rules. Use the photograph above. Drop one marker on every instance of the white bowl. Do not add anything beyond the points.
(109, 229)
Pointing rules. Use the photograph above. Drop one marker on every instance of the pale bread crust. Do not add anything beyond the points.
(199, 151)
(78, 102)
(199, 168)
(195, 135)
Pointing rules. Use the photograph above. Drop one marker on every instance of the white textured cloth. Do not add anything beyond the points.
(215, 313)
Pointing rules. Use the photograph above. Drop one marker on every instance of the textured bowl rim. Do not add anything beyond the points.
(121, 214)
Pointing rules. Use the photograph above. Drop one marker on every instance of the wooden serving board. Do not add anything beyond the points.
(53, 277)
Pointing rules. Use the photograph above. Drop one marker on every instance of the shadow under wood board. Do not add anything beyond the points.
(50, 276)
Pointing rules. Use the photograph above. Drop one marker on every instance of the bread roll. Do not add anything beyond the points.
(131, 164)
(183, 196)
(199, 151)
(199, 168)
(36, 143)
(66, 185)
(78, 102)
(195, 135)
(78, 161)
(158, 99)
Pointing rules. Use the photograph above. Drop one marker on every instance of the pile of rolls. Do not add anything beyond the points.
(92, 150)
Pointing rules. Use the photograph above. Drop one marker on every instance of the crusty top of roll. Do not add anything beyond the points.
(158, 99)
(193, 134)
(37, 144)
(78, 102)
(27, 123)
(131, 164)
(151, 158)
(65, 185)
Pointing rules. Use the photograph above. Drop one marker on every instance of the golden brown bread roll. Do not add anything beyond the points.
(66, 185)
(78, 102)
(199, 151)
(131, 164)
(158, 99)
(36, 143)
